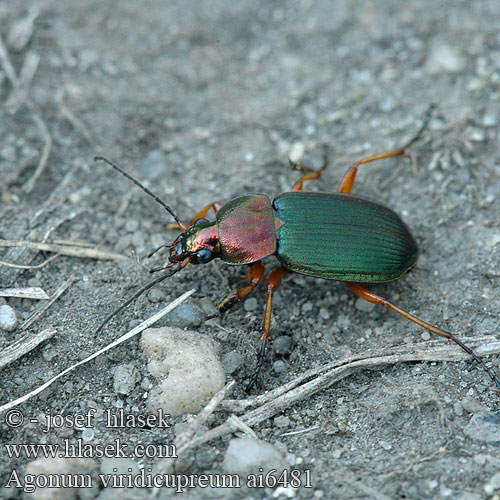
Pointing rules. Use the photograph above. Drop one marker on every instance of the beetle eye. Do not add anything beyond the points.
(197, 222)
(204, 255)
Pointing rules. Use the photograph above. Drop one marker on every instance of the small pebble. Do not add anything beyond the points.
(185, 316)
(232, 361)
(187, 367)
(387, 446)
(281, 421)
(64, 466)
(125, 378)
(279, 366)
(445, 59)
(324, 314)
(250, 304)
(364, 306)
(8, 318)
(495, 482)
(282, 345)
(156, 295)
(458, 409)
(247, 455)
(88, 434)
(426, 336)
(343, 321)
(205, 458)
(472, 405)
(307, 307)
(485, 427)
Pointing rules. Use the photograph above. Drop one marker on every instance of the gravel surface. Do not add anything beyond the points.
(206, 100)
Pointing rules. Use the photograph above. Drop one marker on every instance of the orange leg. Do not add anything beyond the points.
(350, 176)
(200, 215)
(378, 299)
(254, 277)
(273, 283)
(309, 174)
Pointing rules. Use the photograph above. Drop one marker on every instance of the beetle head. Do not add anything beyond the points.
(199, 243)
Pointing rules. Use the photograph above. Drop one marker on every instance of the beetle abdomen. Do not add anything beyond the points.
(342, 237)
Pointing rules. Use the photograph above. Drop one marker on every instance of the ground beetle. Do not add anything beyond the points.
(336, 236)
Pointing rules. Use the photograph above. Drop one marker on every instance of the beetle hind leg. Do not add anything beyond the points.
(273, 283)
(378, 299)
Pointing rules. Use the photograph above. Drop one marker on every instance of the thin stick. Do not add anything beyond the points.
(24, 345)
(421, 352)
(73, 251)
(123, 338)
(37, 266)
(183, 440)
(31, 292)
(426, 351)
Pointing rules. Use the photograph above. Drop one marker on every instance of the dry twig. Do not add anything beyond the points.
(24, 345)
(320, 378)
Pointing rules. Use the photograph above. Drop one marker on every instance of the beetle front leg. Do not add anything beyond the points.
(254, 277)
(378, 299)
(273, 283)
(216, 205)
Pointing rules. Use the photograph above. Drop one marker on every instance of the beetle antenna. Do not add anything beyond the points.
(136, 295)
(144, 188)
(157, 249)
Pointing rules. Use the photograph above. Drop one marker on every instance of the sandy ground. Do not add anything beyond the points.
(207, 100)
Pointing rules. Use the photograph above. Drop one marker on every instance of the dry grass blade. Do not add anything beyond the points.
(24, 345)
(72, 251)
(31, 292)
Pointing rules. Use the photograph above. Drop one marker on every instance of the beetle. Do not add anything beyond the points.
(337, 236)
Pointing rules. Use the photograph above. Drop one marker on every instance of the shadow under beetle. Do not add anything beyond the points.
(336, 236)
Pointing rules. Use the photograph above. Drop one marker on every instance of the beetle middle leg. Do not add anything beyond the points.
(350, 176)
(273, 283)
(378, 299)
(309, 173)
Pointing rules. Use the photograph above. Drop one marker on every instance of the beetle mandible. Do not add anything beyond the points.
(336, 236)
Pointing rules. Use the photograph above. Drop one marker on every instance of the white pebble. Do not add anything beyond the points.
(247, 455)
(67, 466)
(187, 366)
(445, 59)
(8, 318)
